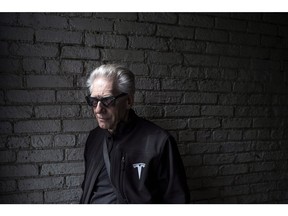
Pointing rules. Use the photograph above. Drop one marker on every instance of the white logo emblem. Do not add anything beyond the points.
(139, 167)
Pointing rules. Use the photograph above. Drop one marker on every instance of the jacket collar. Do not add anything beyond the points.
(124, 127)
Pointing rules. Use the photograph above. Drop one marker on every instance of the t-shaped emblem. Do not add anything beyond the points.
(139, 167)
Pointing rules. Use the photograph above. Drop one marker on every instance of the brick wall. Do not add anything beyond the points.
(217, 81)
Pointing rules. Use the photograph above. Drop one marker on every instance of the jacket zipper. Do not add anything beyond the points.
(122, 179)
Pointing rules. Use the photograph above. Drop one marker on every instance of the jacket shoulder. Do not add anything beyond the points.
(93, 134)
(153, 129)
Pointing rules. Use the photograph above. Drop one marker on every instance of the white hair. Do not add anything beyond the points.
(123, 77)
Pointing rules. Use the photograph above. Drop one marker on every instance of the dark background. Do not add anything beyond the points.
(216, 81)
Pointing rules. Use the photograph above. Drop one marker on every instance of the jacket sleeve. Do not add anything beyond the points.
(172, 177)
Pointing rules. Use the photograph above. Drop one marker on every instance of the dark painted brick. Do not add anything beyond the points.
(7, 186)
(202, 171)
(182, 110)
(175, 32)
(40, 20)
(217, 110)
(5, 127)
(192, 19)
(264, 28)
(223, 49)
(178, 84)
(148, 43)
(10, 65)
(235, 190)
(187, 135)
(58, 36)
(40, 156)
(18, 170)
(237, 123)
(204, 123)
(72, 181)
(113, 41)
(234, 25)
(188, 46)
(91, 24)
(14, 112)
(80, 53)
(52, 66)
(163, 97)
(49, 81)
(7, 156)
(213, 159)
(71, 67)
(62, 168)
(147, 84)
(62, 196)
(76, 154)
(169, 18)
(215, 86)
(18, 142)
(82, 125)
(211, 35)
(231, 62)
(185, 72)
(71, 96)
(165, 58)
(170, 124)
(244, 38)
(10, 81)
(4, 48)
(200, 60)
(34, 64)
(233, 169)
(117, 15)
(22, 198)
(200, 98)
(149, 111)
(37, 50)
(41, 141)
(122, 55)
(61, 140)
(16, 33)
(34, 126)
(40, 183)
(132, 28)
(8, 18)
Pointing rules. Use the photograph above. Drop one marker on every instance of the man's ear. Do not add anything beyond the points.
(130, 101)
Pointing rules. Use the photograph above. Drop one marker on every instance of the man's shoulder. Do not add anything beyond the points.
(96, 132)
(152, 128)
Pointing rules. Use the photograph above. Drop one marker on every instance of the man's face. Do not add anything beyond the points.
(109, 117)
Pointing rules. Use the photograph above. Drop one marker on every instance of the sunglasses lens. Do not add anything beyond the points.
(107, 101)
(91, 101)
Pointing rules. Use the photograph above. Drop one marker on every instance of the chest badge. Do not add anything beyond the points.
(139, 167)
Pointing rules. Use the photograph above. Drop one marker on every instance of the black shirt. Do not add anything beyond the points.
(103, 191)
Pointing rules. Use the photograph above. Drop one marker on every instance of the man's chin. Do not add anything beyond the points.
(103, 126)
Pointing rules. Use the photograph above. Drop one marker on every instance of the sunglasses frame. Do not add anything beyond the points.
(90, 100)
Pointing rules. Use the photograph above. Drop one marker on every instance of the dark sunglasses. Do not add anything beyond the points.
(106, 101)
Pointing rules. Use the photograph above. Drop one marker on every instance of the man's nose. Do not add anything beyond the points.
(99, 108)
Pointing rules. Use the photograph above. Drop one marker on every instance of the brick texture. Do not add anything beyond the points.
(217, 82)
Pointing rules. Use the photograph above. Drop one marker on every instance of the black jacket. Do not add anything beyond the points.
(145, 166)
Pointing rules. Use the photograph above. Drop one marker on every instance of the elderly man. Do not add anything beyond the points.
(128, 159)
